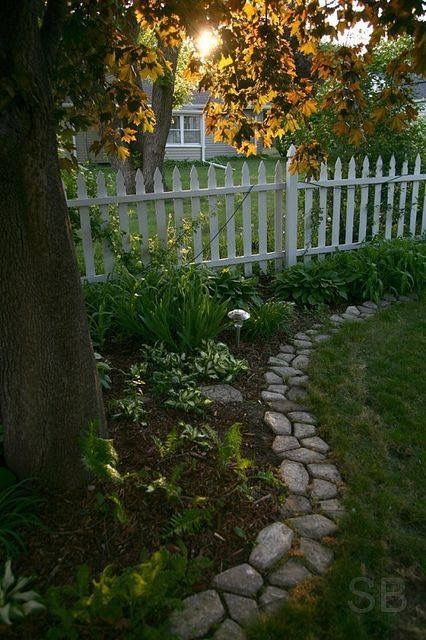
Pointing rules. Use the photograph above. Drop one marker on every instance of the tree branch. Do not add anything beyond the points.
(51, 29)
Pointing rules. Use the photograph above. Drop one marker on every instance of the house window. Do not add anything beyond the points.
(174, 131)
(191, 130)
(185, 129)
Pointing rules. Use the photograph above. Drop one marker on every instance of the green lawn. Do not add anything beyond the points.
(368, 391)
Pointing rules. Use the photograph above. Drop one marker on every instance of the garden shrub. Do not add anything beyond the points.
(383, 266)
(268, 319)
(312, 283)
(15, 602)
(138, 600)
(165, 304)
(233, 288)
(176, 376)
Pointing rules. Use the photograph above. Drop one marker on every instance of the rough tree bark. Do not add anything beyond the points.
(49, 389)
(152, 146)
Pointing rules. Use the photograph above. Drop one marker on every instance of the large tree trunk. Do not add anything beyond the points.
(49, 389)
(152, 146)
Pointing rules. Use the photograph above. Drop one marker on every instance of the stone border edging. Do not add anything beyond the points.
(289, 551)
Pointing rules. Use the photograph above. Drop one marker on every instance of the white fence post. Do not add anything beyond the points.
(291, 211)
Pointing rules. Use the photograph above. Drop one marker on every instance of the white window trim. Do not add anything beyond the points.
(194, 145)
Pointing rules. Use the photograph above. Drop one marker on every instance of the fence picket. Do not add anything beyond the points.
(213, 215)
(307, 222)
(101, 191)
(178, 213)
(229, 213)
(142, 213)
(323, 209)
(350, 204)
(389, 205)
(278, 214)
(86, 231)
(337, 199)
(291, 212)
(160, 210)
(123, 214)
(415, 197)
(377, 198)
(402, 200)
(262, 215)
(362, 230)
(194, 184)
(246, 209)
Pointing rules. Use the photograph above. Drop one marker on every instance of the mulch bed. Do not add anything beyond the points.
(80, 528)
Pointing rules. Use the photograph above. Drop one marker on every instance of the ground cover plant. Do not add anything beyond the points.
(369, 395)
(396, 266)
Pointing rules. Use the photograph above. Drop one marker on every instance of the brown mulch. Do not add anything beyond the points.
(81, 528)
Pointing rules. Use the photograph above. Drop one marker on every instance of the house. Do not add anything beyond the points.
(187, 139)
(419, 95)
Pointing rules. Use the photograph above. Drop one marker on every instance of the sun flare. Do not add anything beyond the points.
(206, 41)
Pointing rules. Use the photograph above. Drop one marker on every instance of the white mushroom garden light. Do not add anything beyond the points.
(238, 317)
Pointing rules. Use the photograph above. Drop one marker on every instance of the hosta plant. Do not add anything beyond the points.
(15, 601)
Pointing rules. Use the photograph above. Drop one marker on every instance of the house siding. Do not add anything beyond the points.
(183, 153)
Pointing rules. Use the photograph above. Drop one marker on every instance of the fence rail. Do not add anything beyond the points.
(254, 221)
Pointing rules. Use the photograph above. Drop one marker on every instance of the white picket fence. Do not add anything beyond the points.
(246, 223)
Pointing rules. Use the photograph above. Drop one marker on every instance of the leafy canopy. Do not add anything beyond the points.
(96, 63)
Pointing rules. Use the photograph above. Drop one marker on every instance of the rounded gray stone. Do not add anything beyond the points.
(314, 526)
(302, 416)
(317, 556)
(321, 337)
(284, 443)
(222, 393)
(332, 508)
(229, 630)
(302, 344)
(290, 574)
(271, 544)
(323, 490)
(285, 406)
(302, 336)
(278, 422)
(301, 362)
(272, 378)
(336, 319)
(287, 348)
(269, 396)
(295, 505)
(303, 430)
(242, 610)
(272, 598)
(285, 357)
(370, 305)
(297, 393)
(277, 388)
(325, 472)
(200, 612)
(241, 579)
(352, 310)
(287, 372)
(295, 476)
(304, 352)
(298, 381)
(307, 456)
(316, 443)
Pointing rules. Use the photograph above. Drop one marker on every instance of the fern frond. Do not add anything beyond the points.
(187, 522)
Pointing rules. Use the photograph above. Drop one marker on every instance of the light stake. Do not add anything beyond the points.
(238, 317)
